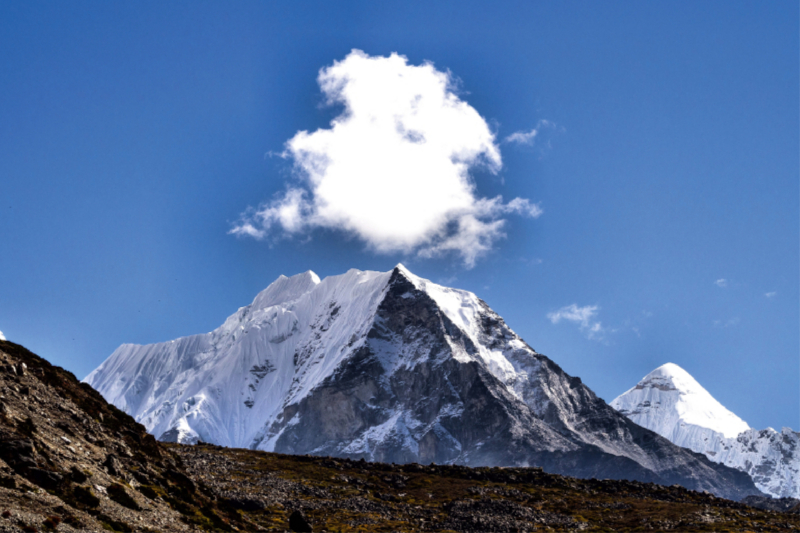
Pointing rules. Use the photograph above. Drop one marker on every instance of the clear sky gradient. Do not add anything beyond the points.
(133, 136)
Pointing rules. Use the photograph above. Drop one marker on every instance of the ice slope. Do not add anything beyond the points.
(389, 367)
(672, 403)
(224, 386)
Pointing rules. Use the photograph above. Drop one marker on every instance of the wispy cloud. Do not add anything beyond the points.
(529, 137)
(583, 316)
(721, 283)
(523, 137)
(537, 139)
(394, 167)
(770, 294)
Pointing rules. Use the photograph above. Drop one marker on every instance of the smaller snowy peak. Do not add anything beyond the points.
(669, 396)
(672, 403)
(671, 377)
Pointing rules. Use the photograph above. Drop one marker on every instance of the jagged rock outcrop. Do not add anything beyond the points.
(389, 367)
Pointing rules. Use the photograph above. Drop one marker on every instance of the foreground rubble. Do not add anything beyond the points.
(344, 495)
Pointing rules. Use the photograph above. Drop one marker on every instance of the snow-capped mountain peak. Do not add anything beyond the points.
(672, 403)
(669, 398)
(387, 366)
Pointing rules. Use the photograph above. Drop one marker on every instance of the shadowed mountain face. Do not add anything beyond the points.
(389, 367)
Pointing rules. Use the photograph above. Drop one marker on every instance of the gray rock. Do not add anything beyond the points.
(20, 454)
(77, 475)
(45, 478)
(113, 465)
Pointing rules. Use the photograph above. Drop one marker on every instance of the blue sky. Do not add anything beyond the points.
(134, 135)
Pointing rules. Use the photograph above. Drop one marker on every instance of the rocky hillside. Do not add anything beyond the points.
(389, 367)
(71, 462)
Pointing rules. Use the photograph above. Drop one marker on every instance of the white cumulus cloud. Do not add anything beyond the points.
(394, 167)
(721, 283)
(583, 316)
(2, 337)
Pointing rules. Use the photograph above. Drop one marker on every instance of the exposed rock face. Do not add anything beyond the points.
(389, 367)
(438, 410)
(671, 402)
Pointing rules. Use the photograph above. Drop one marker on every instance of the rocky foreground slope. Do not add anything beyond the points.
(389, 367)
(345, 495)
(71, 462)
(672, 403)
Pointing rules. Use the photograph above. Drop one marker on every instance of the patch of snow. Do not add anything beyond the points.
(398, 429)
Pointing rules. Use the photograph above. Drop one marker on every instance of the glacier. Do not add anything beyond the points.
(672, 403)
(388, 366)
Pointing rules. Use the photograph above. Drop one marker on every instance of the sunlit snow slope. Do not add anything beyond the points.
(673, 404)
(389, 367)
(224, 386)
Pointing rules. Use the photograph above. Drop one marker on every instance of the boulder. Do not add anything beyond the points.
(298, 523)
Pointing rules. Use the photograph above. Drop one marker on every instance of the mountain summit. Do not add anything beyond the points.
(672, 403)
(390, 367)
